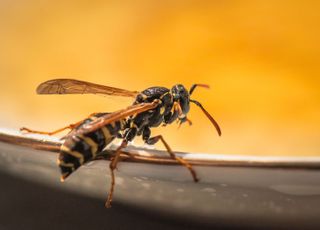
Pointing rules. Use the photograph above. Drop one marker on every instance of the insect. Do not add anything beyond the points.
(152, 107)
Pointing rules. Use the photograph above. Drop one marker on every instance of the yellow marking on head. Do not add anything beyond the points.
(73, 153)
(93, 145)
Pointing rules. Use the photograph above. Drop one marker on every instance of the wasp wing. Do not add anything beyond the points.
(72, 86)
(112, 117)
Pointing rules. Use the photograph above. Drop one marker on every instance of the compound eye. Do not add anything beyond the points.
(183, 93)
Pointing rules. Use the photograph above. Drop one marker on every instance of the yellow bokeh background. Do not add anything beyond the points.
(261, 59)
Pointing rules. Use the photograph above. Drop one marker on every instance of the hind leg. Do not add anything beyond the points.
(71, 126)
(155, 139)
(128, 136)
(113, 166)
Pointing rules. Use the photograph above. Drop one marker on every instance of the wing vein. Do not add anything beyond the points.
(72, 86)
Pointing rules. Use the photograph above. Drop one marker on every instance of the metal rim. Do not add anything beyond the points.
(135, 154)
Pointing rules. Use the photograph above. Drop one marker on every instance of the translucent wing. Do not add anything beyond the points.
(71, 86)
(116, 116)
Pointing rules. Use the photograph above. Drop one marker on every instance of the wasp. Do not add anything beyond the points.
(151, 108)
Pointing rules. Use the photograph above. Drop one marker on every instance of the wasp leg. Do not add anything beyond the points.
(175, 114)
(171, 116)
(183, 120)
(113, 166)
(71, 126)
(182, 117)
(155, 139)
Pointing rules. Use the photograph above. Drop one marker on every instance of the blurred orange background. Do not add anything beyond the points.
(261, 59)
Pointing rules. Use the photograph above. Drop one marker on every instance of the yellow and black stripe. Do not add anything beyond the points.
(79, 149)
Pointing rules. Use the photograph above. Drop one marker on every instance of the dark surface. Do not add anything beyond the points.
(227, 197)
(28, 205)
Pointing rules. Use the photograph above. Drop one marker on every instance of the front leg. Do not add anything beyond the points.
(153, 140)
(176, 114)
(183, 120)
(171, 117)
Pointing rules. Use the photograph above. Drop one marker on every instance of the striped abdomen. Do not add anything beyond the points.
(79, 149)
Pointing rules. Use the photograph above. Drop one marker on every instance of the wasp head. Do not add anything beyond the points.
(182, 96)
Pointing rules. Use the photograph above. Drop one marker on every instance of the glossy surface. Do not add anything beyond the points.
(256, 195)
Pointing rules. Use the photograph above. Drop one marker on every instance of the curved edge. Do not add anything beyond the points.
(144, 155)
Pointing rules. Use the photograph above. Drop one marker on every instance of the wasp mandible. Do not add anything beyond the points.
(152, 107)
